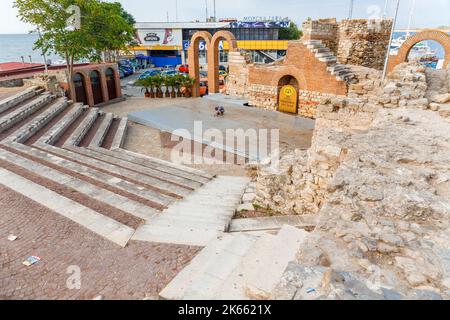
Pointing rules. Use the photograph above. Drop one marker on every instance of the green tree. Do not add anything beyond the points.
(290, 33)
(100, 27)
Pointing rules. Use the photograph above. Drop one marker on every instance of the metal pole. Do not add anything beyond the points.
(206, 6)
(215, 13)
(385, 9)
(350, 13)
(176, 10)
(386, 62)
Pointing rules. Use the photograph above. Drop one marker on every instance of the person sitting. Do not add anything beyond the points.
(219, 111)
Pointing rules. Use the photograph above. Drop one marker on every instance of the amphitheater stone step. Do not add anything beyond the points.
(119, 138)
(127, 205)
(157, 164)
(166, 181)
(102, 130)
(54, 133)
(155, 197)
(99, 224)
(16, 99)
(77, 136)
(23, 112)
(39, 122)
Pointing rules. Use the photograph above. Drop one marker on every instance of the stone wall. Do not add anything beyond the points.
(237, 80)
(325, 30)
(364, 42)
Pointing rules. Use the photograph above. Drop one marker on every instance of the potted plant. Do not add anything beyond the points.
(145, 84)
(178, 84)
(188, 82)
(158, 83)
(170, 83)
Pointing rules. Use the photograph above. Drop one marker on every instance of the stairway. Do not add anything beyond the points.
(69, 158)
(324, 54)
(237, 267)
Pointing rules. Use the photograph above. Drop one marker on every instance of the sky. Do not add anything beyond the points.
(428, 13)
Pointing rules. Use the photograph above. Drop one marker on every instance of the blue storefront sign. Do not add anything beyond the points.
(201, 46)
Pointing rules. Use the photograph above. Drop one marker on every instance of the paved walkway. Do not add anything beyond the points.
(138, 271)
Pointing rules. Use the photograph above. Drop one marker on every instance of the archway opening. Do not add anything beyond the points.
(198, 59)
(80, 88)
(96, 87)
(430, 53)
(111, 83)
(288, 89)
(222, 43)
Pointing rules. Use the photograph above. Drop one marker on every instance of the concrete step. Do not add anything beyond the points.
(175, 235)
(157, 164)
(263, 268)
(328, 60)
(321, 50)
(91, 220)
(100, 135)
(159, 200)
(120, 135)
(23, 112)
(324, 54)
(16, 99)
(52, 135)
(214, 213)
(127, 205)
(77, 136)
(23, 134)
(207, 271)
(272, 223)
(166, 181)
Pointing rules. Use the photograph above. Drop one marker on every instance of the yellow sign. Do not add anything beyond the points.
(288, 99)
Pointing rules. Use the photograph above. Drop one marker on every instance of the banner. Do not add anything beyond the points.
(160, 37)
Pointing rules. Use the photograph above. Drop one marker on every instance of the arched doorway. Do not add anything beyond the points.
(404, 52)
(80, 88)
(96, 87)
(288, 89)
(111, 83)
(213, 57)
(193, 57)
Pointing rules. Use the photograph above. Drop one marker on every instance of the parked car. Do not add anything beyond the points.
(170, 72)
(126, 70)
(184, 68)
(121, 74)
(149, 73)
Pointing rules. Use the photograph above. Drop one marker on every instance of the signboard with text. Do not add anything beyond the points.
(288, 100)
(160, 37)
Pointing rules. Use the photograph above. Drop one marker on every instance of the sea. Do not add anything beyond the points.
(15, 47)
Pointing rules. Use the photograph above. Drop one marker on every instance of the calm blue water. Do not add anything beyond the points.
(13, 46)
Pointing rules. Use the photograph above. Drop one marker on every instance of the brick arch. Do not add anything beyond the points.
(213, 57)
(436, 35)
(194, 65)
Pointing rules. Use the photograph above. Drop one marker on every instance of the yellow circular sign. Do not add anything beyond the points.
(288, 91)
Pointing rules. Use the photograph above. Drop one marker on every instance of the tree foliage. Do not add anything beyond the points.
(103, 27)
(290, 33)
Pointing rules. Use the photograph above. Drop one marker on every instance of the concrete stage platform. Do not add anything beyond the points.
(294, 131)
